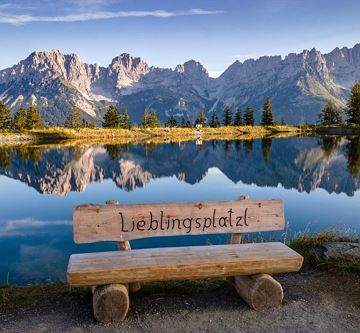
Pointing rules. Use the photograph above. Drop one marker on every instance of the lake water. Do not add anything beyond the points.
(318, 179)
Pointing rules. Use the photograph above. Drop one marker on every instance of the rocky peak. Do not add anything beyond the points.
(127, 69)
(50, 64)
(344, 65)
(127, 63)
(192, 68)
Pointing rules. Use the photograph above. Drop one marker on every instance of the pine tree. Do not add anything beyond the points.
(20, 119)
(214, 122)
(126, 119)
(171, 122)
(145, 118)
(6, 118)
(249, 116)
(227, 116)
(111, 118)
(237, 118)
(330, 115)
(201, 119)
(153, 120)
(267, 118)
(33, 118)
(353, 104)
(74, 119)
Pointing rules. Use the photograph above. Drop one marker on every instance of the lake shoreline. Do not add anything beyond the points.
(163, 134)
(156, 134)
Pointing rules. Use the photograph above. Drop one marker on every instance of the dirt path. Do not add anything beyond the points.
(314, 302)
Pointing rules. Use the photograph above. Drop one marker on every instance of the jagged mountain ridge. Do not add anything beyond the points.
(298, 84)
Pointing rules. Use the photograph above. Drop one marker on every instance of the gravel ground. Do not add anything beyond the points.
(314, 302)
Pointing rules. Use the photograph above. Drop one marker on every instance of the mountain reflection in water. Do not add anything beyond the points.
(304, 164)
(317, 178)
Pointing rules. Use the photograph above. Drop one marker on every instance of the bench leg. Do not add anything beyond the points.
(260, 291)
(110, 302)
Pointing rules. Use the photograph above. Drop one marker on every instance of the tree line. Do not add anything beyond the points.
(29, 118)
(24, 118)
(116, 119)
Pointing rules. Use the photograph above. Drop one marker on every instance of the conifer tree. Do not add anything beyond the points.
(249, 116)
(33, 118)
(20, 119)
(171, 122)
(267, 118)
(126, 119)
(215, 122)
(6, 118)
(237, 118)
(74, 119)
(153, 120)
(201, 119)
(330, 115)
(227, 116)
(111, 118)
(145, 118)
(353, 111)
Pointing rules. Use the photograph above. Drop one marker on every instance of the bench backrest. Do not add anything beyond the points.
(96, 223)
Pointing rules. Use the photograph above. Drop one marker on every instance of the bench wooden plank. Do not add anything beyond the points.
(181, 263)
(95, 223)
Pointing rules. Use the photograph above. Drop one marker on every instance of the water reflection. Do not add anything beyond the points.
(332, 163)
(353, 155)
(36, 231)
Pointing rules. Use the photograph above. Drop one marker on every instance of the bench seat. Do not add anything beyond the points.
(181, 263)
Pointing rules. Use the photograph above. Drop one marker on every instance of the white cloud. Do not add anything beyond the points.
(26, 226)
(18, 19)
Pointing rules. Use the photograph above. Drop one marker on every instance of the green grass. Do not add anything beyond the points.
(307, 245)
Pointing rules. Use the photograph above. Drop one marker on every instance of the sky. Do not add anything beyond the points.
(167, 33)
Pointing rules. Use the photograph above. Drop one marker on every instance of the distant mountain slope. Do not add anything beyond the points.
(298, 85)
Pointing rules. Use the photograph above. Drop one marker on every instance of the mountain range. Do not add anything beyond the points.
(298, 85)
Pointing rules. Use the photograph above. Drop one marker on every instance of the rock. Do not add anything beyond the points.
(336, 250)
(297, 83)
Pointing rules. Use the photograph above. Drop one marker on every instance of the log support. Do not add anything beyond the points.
(260, 291)
(110, 303)
(125, 246)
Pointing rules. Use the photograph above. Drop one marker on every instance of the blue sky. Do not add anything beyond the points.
(166, 33)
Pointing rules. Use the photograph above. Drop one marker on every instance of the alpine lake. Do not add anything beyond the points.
(318, 178)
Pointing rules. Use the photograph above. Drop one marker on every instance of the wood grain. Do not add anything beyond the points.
(260, 291)
(181, 263)
(95, 223)
(110, 303)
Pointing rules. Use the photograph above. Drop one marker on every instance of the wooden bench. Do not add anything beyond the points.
(114, 274)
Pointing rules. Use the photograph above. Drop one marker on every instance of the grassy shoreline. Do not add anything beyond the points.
(57, 134)
(163, 134)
